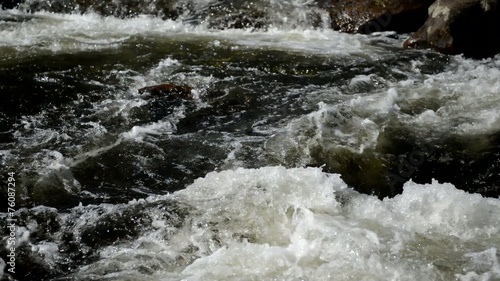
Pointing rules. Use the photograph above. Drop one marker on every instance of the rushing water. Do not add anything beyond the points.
(304, 154)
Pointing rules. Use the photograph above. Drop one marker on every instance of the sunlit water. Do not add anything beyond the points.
(279, 168)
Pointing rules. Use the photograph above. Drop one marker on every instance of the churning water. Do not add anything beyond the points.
(303, 154)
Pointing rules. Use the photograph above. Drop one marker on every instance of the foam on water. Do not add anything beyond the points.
(274, 223)
(51, 154)
(459, 102)
(69, 33)
(467, 94)
(138, 133)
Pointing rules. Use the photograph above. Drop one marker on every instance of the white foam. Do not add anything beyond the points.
(75, 32)
(5, 156)
(48, 250)
(483, 265)
(165, 65)
(138, 133)
(67, 32)
(468, 97)
(433, 208)
(275, 223)
(323, 42)
(360, 79)
(164, 72)
(330, 127)
(296, 228)
(461, 101)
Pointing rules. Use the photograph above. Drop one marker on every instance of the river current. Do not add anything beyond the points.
(303, 154)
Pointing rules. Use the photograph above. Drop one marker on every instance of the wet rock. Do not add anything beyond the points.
(170, 91)
(367, 16)
(471, 27)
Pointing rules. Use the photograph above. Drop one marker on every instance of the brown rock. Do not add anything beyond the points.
(171, 91)
(471, 27)
(367, 16)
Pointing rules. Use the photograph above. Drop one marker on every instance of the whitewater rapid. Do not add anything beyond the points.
(275, 170)
(275, 223)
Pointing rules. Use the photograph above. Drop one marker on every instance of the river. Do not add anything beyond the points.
(303, 153)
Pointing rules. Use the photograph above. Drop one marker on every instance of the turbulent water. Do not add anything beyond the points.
(304, 154)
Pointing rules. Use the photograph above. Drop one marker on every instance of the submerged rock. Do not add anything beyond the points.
(170, 91)
(471, 27)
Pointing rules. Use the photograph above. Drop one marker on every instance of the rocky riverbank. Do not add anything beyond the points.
(469, 27)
